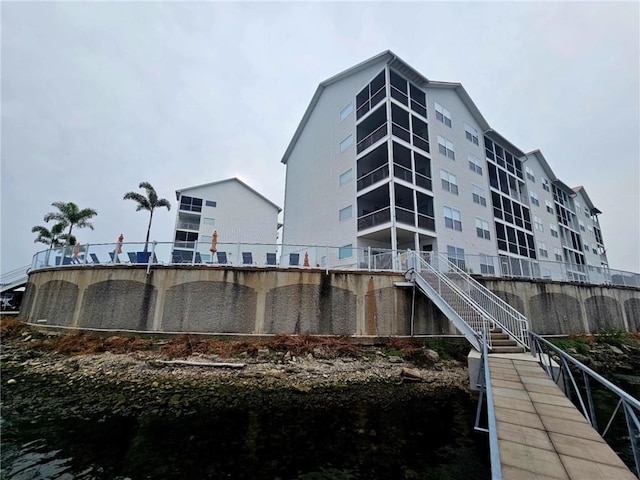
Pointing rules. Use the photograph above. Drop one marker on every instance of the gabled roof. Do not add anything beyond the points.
(592, 208)
(233, 179)
(402, 67)
(545, 165)
(496, 137)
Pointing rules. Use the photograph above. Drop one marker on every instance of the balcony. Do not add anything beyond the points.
(188, 226)
(375, 176)
(426, 222)
(403, 173)
(373, 219)
(405, 216)
(372, 138)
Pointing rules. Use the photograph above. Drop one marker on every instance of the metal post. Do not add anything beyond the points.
(630, 417)
(368, 257)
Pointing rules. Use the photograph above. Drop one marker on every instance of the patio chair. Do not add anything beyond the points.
(294, 259)
(67, 261)
(222, 258)
(271, 259)
(114, 257)
(176, 257)
(198, 258)
(94, 257)
(132, 257)
(247, 258)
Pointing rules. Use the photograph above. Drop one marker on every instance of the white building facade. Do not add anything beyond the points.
(231, 208)
(386, 159)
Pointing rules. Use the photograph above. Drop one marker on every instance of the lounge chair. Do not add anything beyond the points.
(114, 257)
(94, 257)
(198, 258)
(132, 257)
(67, 261)
(247, 258)
(222, 258)
(271, 259)
(294, 259)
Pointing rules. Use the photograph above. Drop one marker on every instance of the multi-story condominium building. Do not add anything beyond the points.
(386, 159)
(231, 208)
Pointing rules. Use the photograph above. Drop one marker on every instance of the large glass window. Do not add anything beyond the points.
(456, 256)
(190, 204)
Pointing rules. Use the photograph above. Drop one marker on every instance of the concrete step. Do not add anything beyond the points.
(503, 342)
(499, 336)
(507, 350)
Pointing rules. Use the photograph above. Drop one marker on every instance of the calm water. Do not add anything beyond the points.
(390, 439)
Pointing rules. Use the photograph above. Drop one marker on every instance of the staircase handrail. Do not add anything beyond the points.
(502, 314)
(485, 316)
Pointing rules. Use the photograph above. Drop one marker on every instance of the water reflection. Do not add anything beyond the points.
(302, 438)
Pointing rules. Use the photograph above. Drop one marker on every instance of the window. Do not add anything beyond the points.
(542, 249)
(554, 230)
(346, 177)
(443, 115)
(530, 174)
(346, 212)
(545, 185)
(456, 256)
(482, 229)
(534, 199)
(581, 225)
(486, 265)
(590, 228)
(208, 221)
(537, 223)
(445, 147)
(185, 239)
(595, 251)
(210, 203)
(479, 195)
(345, 252)
(474, 164)
(346, 111)
(452, 219)
(206, 239)
(346, 143)
(191, 204)
(557, 253)
(449, 182)
(586, 247)
(471, 133)
(578, 208)
(586, 212)
(549, 206)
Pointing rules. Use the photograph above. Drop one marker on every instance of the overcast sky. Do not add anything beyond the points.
(97, 97)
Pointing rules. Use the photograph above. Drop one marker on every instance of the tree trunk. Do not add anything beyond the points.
(146, 242)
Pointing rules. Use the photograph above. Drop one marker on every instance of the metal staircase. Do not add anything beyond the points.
(472, 308)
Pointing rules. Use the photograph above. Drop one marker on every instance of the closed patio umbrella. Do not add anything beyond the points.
(214, 242)
(306, 259)
(120, 241)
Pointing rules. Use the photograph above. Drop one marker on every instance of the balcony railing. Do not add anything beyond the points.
(372, 177)
(378, 134)
(406, 216)
(403, 173)
(374, 219)
(427, 222)
(165, 253)
(371, 102)
(423, 181)
(188, 226)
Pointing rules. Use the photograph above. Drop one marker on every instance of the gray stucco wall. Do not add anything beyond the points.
(269, 301)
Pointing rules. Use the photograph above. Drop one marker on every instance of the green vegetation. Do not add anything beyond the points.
(70, 215)
(613, 337)
(578, 344)
(54, 237)
(148, 203)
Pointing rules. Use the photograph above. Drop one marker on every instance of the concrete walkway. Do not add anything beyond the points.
(540, 433)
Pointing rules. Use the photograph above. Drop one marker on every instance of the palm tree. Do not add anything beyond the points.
(51, 237)
(150, 203)
(70, 214)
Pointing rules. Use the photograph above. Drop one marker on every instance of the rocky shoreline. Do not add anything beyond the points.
(45, 383)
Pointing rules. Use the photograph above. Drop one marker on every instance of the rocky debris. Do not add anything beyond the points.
(147, 381)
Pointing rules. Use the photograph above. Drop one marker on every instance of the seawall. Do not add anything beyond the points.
(269, 301)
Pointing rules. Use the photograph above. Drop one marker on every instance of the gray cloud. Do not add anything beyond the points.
(97, 97)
